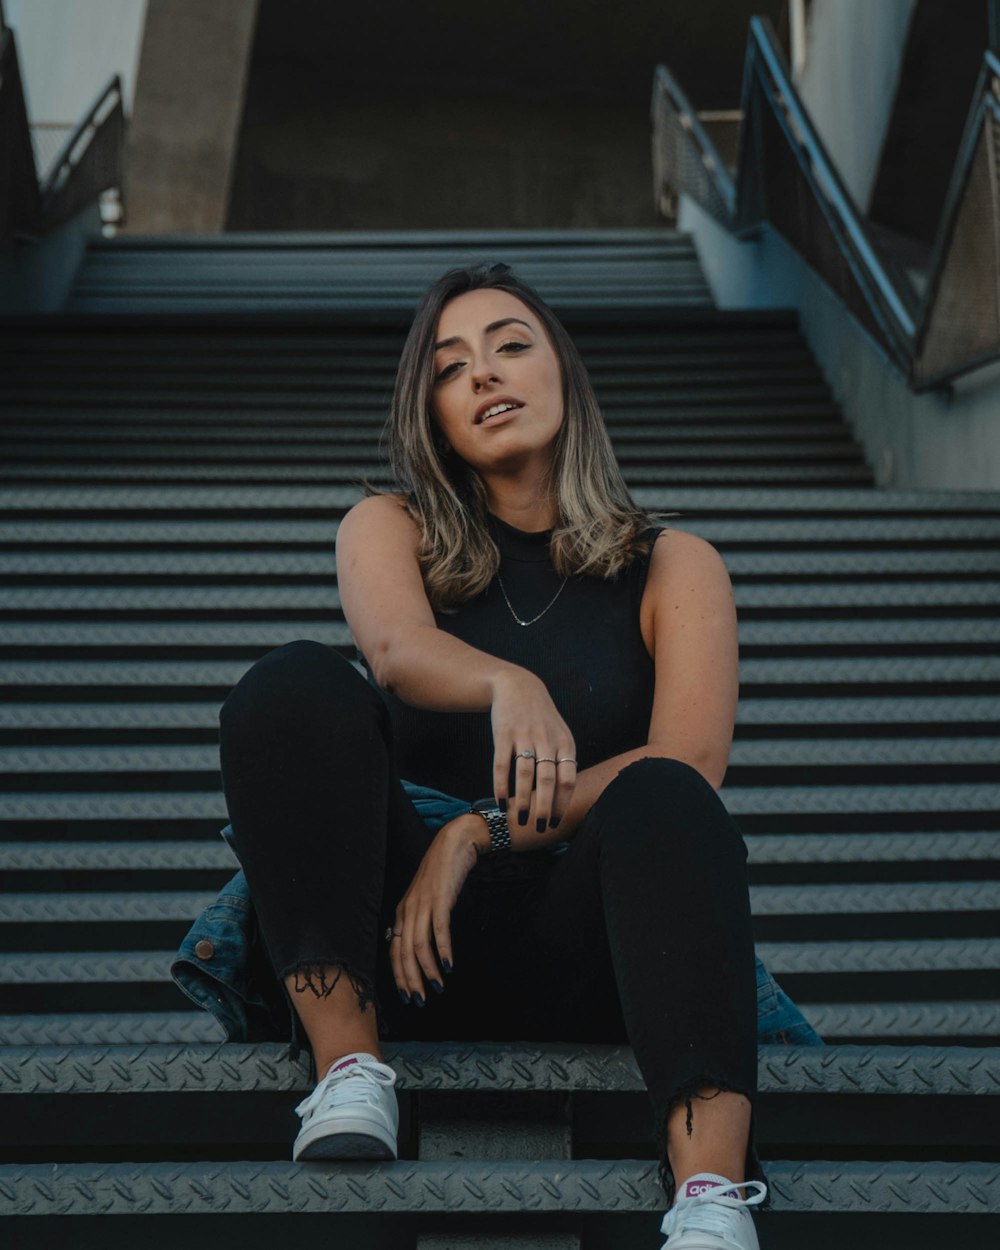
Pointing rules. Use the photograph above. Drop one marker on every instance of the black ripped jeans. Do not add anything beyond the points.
(638, 934)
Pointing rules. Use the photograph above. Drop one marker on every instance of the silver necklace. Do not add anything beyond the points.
(540, 614)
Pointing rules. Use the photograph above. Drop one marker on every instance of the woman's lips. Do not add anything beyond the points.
(501, 417)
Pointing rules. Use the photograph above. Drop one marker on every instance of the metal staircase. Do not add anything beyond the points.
(178, 446)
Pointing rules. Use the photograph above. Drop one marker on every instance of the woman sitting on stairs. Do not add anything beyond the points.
(530, 636)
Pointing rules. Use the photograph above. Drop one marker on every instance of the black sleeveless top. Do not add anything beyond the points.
(586, 648)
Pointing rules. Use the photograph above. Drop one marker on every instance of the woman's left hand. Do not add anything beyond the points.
(424, 911)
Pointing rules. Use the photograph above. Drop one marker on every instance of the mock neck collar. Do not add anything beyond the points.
(518, 544)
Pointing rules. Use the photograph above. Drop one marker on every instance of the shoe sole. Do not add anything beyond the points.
(345, 1144)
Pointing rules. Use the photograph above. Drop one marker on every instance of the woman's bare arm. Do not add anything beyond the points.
(383, 598)
(385, 604)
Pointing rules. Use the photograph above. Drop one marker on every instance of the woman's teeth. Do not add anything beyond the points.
(495, 411)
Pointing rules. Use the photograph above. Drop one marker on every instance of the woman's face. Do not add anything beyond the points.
(490, 347)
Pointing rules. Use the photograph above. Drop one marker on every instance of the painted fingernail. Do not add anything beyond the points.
(503, 805)
(438, 986)
(405, 997)
(540, 825)
(522, 818)
(554, 821)
(418, 998)
(446, 965)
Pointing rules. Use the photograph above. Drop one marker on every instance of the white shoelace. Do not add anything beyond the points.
(359, 1082)
(710, 1212)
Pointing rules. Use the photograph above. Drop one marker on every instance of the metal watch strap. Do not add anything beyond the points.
(496, 823)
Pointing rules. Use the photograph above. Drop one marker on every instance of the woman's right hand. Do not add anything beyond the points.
(524, 718)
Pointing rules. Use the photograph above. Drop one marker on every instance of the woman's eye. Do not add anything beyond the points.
(449, 369)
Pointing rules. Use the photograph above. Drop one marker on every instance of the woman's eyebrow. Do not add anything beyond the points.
(494, 325)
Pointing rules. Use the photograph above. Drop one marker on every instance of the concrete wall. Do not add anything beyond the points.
(404, 116)
(181, 147)
(37, 277)
(67, 53)
(941, 440)
(853, 54)
(392, 163)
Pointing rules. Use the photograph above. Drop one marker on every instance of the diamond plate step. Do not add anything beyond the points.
(781, 958)
(126, 906)
(745, 803)
(77, 561)
(752, 502)
(899, 713)
(323, 601)
(474, 1241)
(818, 848)
(219, 476)
(580, 1186)
(931, 1021)
(821, 670)
(21, 763)
(488, 1067)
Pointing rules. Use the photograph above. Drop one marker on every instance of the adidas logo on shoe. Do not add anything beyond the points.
(696, 1186)
(709, 1214)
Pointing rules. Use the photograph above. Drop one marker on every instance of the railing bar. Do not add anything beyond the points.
(682, 106)
(982, 100)
(948, 375)
(899, 355)
(764, 45)
(113, 86)
(991, 124)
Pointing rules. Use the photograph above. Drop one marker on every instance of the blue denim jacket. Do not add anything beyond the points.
(223, 967)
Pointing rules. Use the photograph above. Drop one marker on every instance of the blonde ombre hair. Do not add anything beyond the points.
(599, 528)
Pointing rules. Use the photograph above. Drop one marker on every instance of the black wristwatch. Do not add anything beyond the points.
(496, 822)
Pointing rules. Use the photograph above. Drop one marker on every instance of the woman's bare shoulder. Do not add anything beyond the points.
(681, 563)
(384, 514)
(388, 503)
(677, 549)
(378, 574)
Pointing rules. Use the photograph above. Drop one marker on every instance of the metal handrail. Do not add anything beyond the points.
(935, 360)
(88, 163)
(713, 163)
(985, 98)
(900, 320)
(64, 164)
(764, 42)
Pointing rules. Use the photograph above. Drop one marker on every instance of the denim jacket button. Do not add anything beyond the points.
(204, 950)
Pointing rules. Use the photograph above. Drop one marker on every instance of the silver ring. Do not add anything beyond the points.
(389, 934)
(526, 755)
(566, 759)
(545, 759)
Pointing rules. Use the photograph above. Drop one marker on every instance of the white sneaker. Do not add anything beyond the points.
(351, 1114)
(707, 1216)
